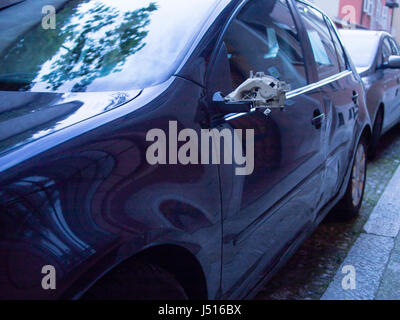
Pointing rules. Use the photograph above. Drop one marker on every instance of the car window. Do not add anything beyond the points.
(386, 50)
(338, 45)
(395, 47)
(321, 42)
(263, 38)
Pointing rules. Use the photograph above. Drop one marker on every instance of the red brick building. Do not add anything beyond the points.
(367, 14)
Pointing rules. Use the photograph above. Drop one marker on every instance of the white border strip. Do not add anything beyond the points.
(294, 93)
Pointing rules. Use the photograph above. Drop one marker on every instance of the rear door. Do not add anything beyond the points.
(339, 91)
(266, 211)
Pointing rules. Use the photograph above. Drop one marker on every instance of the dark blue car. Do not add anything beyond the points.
(97, 203)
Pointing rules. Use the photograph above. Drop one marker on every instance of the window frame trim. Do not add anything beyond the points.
(319, 84)
(331, 26)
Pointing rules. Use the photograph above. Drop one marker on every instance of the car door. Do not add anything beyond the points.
(391, 85)
(339, 91)
(266, 212)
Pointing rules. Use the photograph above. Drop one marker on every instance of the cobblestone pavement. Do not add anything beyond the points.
(308, 273)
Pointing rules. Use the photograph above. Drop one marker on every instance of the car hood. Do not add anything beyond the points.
(29, 116)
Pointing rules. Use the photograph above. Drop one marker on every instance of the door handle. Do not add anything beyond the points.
(355, 97)
(318, 119)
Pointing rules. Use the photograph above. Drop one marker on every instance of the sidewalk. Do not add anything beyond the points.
(376, 253)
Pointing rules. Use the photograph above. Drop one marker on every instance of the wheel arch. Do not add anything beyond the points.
(177, 260)
(180, 262)
(366, 134)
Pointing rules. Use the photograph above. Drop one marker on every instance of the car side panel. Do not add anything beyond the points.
(90, 203)
(342, 114)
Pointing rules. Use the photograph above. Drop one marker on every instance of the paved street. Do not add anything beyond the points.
(371, 243)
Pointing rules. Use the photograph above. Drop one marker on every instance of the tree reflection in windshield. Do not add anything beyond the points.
(103, 45)
(100, 45)
(92, 40)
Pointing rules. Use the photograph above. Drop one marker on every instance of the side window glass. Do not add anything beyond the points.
(386, 50)
(338, 45)
(321, 42)
(395, 47)
(263, 38)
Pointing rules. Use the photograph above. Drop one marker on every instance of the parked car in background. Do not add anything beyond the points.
(77, 192)
(377, 58)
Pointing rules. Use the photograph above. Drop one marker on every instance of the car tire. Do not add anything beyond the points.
(349, 207)
(376, 135)
(137, 281)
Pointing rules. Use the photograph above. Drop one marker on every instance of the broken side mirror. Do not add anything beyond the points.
(258, 92)
(227, 107)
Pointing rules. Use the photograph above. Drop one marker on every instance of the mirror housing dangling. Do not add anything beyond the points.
(258, 92)
(264, 92)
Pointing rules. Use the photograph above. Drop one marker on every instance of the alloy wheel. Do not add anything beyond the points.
(358, 176)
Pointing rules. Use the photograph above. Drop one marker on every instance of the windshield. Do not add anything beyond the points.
(361, 47)
(96, 45)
